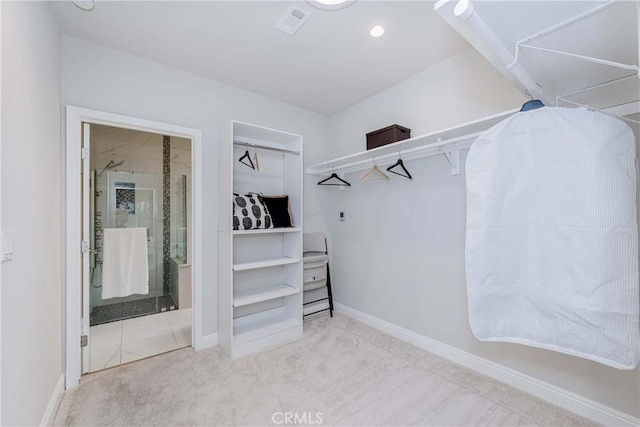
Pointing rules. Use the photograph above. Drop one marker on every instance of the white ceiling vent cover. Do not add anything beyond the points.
(293, 20)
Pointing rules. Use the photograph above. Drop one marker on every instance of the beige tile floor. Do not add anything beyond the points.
(112, 344)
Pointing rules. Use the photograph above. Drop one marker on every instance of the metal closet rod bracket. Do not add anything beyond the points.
(453, 157)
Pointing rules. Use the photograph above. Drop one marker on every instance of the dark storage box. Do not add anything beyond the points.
(388, 135)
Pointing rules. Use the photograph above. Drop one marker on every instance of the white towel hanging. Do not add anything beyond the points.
(125, 264)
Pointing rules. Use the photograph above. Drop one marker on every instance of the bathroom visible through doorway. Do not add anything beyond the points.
(139, 182)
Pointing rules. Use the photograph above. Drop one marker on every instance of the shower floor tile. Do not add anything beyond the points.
(127, 310)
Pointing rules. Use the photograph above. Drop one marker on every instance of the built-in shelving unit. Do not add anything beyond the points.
(447, 143)
(259, 271)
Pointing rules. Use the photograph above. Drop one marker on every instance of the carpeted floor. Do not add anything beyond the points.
(341, 373)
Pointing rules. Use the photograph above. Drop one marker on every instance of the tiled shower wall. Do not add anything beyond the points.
(143, 153)
(166, 215)
(180, 165)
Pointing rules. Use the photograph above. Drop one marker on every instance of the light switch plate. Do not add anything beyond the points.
(7, 245)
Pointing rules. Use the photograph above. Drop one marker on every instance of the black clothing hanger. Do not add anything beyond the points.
(248, 157)
(334, 176)
(534, 104)
(404, 172)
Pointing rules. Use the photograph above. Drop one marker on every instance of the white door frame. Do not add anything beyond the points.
(85, 283)
(1, 212)
(73, 300)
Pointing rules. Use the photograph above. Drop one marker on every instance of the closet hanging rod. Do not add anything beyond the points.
(449, 140)
(427, 150)
(265, 147)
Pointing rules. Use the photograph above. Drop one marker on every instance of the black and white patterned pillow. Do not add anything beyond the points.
(250, 212)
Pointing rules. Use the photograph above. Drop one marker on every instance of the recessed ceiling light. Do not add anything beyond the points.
(330, 4)
(86, 5)
(376, 31)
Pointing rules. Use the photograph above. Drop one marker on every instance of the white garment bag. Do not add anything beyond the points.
(552, 235)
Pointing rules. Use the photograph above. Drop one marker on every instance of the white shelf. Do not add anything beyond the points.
(273, 262)
(246, 331)
(263, 293)
(447, 142)
(266, 231)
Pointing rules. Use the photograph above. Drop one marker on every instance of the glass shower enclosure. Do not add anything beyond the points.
(127, 200)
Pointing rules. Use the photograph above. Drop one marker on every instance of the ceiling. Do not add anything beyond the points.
(330, 64)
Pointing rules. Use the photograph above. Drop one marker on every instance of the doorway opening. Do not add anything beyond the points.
(80, 225)
(138, 182)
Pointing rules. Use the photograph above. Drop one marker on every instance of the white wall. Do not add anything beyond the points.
(104, 79)
(31, 203)
(400, 254)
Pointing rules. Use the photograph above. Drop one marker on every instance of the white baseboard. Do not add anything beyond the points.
(208, 341)
(543, 390)
(54, 402)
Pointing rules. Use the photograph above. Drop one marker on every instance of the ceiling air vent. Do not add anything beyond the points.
(293, 20)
